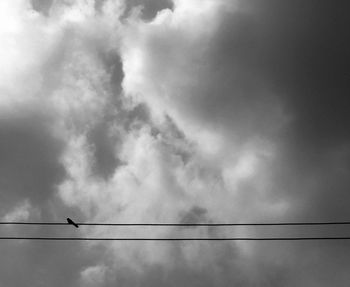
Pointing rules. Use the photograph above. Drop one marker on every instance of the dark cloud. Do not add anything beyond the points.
(114, 67)
(30, 169)
(302, 50)
(104, 144)
(225, 266)
(42, 6)
(149, 8)
(45, 263)
(290, 55)
(195, 215)
(294, 50)
(29, 166)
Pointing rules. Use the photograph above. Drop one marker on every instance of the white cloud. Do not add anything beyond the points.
(93, 276)
(166, 174)
(26, 41)
(21, 212)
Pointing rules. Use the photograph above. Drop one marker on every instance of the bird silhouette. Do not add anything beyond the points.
(70, 221)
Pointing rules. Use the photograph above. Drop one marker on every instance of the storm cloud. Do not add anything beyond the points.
(174, 111)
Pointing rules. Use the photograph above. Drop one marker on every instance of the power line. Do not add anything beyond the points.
(178, 224)
(175, 239)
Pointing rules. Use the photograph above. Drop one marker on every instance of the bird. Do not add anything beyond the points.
(70, 221)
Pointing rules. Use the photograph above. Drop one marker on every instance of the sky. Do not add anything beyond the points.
(139, 111)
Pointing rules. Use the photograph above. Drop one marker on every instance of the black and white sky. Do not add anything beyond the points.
(174, 111)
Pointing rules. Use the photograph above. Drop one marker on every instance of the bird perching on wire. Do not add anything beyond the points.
(70, 221)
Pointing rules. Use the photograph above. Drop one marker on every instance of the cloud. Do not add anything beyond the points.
(30, 166)
(183, 69)
(181, 111)
(19, 213)
(93, 275)
(147, 9)
(166, 171)
(52, 89)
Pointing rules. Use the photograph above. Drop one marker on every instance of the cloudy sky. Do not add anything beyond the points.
(174, 111)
